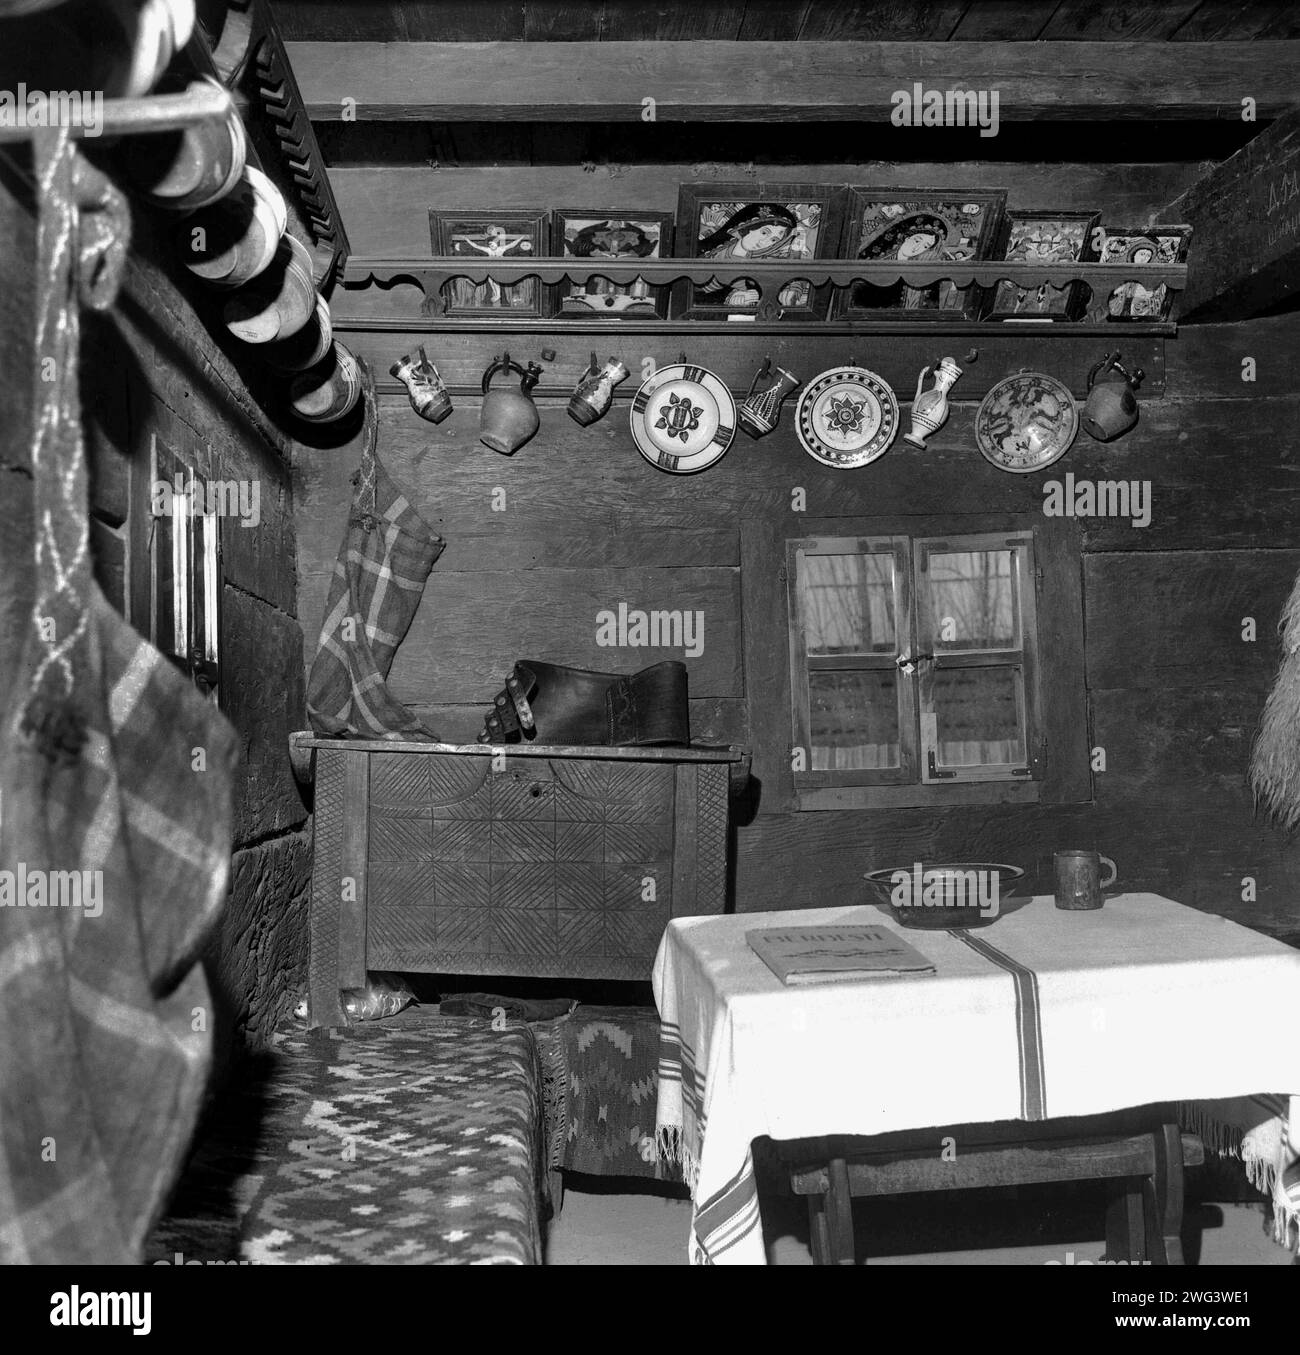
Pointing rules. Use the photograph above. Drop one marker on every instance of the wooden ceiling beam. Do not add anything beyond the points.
(784, 81)
(1245, 215)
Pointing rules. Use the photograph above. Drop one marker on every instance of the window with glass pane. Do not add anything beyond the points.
(851, 615)
(913, 660)
(975, 610)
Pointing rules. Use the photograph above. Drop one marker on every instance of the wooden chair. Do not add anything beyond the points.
(1141, 1154)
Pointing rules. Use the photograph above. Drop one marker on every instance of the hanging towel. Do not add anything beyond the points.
(115, 818)
(1258, 1130)
(378, 581)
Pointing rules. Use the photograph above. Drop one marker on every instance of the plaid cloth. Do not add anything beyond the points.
(115, 788)
(378, 581)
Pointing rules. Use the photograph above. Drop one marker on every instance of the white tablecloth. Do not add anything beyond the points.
(1047, 1013)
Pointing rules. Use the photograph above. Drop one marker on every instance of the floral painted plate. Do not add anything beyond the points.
(1026, 422)
(846, 417)
(683, 418)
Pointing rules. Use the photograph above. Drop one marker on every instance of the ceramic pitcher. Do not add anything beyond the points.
(762, 408)
(930, 407)
(424, 386)
(595, 390)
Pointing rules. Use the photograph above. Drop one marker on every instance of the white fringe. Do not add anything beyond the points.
(670, 1147)
(1261, 1169)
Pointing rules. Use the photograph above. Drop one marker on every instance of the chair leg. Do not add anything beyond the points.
(1125, 1222)
(818, 1236)
(1164, 1191)
(839, 1214)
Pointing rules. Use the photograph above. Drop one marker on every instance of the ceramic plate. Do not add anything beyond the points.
(847, 417)
(683, 418)
(1026, 422)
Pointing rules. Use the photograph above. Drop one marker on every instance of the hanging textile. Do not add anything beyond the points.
(378, 581)
(115, 821)
(1275, 758)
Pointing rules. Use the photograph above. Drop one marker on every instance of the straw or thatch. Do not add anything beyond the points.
(1275, 760)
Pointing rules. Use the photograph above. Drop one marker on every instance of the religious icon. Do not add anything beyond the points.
(511, 233)
(735, 222)
(622, 237)
(917, 226)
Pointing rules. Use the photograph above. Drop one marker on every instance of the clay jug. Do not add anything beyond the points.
(762, 408)
(595, 390)
(424, 386)
(508, 418)
(1112, 407)
(930, 407)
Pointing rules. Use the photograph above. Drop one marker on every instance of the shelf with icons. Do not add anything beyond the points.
(954, 296)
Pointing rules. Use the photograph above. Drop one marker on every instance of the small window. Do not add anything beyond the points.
(914, 664)
(185, 571)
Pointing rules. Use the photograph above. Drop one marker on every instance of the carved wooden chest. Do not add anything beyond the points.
(566, 862)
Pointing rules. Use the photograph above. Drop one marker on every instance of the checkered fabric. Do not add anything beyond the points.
(378, 581)
(115, 818)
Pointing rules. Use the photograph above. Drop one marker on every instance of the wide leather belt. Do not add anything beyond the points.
(553, 704)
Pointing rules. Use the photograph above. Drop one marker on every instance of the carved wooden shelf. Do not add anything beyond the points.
(431, 274)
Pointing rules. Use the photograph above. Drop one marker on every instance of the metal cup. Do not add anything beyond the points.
(1078, 879)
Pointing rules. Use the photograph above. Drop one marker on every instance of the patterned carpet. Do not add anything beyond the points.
(416, 1140)
(605, 1063)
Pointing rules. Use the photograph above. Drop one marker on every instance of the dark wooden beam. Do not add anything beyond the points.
(783, 81)
(1245, 248)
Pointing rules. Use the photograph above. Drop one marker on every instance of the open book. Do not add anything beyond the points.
(830, 954)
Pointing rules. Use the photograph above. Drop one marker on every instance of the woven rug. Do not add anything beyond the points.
(603, 1065)
(415, 1140)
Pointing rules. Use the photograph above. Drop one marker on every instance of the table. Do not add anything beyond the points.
(1045, 1014)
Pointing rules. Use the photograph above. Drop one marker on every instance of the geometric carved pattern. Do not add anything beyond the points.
(400, 839)
(711, 870)
(327, 858)
(523, 869)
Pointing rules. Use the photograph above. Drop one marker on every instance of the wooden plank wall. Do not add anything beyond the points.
(576, 522)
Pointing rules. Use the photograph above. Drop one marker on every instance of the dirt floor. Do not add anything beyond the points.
(603, 1224)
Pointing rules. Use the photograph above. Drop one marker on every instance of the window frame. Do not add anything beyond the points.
(1065, 771)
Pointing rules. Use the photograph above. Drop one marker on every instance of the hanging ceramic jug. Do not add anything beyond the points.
(424, 387)
(930, 407)
(762, 408)
(508, 418)
(595, 390)
(1112, 407)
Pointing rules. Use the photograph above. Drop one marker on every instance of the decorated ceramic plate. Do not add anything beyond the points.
(846, 417)
(1026, 422)
(683, 418)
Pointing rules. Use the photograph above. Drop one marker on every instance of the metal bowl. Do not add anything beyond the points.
(932, 895)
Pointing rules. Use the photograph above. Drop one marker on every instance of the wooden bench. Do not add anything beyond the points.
(1141, 1153)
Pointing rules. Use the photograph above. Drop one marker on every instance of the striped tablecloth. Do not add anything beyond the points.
(1045, 1014)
